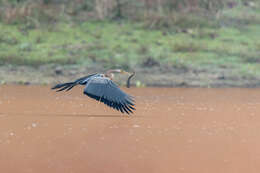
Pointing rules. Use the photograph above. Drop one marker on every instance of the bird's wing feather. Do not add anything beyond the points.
(105, 90)
(68, 86)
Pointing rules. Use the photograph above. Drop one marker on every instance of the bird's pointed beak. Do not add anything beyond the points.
(124, 72)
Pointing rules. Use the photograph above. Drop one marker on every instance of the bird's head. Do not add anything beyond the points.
(110, 73)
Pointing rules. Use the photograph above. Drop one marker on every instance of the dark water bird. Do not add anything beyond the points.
(103, 89)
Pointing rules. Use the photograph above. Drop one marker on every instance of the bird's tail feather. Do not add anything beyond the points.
(64, 86)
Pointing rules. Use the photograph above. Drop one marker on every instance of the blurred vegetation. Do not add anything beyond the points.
(154, 10)
(165, 33)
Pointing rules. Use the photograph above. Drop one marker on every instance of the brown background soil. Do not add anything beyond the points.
(172, 130)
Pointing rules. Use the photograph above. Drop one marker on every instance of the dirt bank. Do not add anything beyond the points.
(152, 76)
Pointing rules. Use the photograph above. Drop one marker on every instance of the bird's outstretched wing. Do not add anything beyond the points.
(68, 86)
(105, 90)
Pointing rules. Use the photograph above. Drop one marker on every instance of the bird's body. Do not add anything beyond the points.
(103, 89)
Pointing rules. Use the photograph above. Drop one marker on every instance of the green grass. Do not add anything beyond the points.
(130, 44)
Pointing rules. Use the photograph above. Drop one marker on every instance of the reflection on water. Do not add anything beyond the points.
(172, 130)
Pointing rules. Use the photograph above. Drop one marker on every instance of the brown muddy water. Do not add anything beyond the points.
(173, 130)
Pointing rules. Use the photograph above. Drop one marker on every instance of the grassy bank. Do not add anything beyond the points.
(227, 44)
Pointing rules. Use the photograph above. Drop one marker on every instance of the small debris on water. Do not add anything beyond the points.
(113, 127)
(226, 161)
(11, 134)
(177, 128)
(179, 122)
(2, 115)
(231, 128)
(34, 124)
(243, 140)
(181, 169)
(190, 141)
(84, 129)
(136, 126)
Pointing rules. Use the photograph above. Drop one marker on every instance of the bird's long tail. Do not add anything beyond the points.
(64, 86)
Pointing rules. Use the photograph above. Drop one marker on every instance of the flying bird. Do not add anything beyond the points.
(103, 89)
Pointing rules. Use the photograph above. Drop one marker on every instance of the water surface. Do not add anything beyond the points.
(173, 130)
